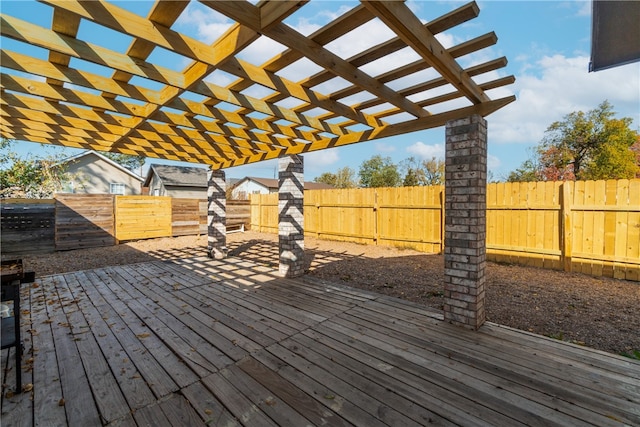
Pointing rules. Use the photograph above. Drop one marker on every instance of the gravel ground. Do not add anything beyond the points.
(597, 312)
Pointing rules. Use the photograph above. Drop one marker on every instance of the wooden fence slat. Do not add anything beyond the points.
(27, 226)
(560, 225)
(84, 221)
(142, 217)
(585, 226)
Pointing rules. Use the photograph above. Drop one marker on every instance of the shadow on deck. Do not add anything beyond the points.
(195, 341)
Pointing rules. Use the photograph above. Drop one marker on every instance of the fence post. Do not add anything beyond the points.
(319, 204)
(442, 216)
(376, 217)
(114, 218)
(565, 214)
(259, 215)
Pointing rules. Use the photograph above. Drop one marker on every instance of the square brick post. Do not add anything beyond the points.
(291, 215)
(217, 215)
(465, 221)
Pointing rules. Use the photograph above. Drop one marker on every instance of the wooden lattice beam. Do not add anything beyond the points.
(60, 100)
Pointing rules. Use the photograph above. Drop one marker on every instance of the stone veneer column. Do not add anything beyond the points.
(291, 215)
(465, 221)
(217, 215)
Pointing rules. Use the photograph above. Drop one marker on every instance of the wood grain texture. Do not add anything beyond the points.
(154, 115)
(196, 341)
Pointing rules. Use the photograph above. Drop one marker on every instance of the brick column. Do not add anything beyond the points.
(217, 215)
(465, 221)
(291, 215)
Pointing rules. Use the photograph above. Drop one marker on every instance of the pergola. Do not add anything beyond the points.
(131, 104)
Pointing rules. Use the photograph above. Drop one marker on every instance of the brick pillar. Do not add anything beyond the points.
(291, 215)
(217, 215)
(465, 221)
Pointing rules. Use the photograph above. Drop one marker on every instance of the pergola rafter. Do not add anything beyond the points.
(187, 115)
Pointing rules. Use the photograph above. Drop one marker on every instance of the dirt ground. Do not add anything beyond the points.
(598, 312)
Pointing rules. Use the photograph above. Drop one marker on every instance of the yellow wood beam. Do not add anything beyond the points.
(37, 67)
(67, 24)
(438, 25)
(33, 34)
(435, 120)
(403, 22)
(59, 93)
(317, 53)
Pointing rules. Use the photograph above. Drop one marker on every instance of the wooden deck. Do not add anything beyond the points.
(196, 341)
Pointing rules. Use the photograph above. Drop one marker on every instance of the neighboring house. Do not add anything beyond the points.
(253, 185)
(92, 173)
(177, 181)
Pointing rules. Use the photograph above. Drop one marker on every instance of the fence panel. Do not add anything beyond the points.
(238, 213)
(142, 217)
(411, 217)
(84, 221)
(27, 226)
(524, 222)
(203, 209)
(605, 217)
(346, 215)
(185, 216)
(264, 212)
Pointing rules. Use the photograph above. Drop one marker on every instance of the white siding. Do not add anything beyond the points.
(92, 175)
(242, 191)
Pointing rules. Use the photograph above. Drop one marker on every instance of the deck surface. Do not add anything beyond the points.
(196, 341)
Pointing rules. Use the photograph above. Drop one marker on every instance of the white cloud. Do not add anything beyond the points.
(320, 159)
(382, 147)
(425, 151)
(493, 162)
(209, 24)
(560, 86)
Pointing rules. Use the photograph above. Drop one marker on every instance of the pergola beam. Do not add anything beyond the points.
(317, 53)
(187, 116)
(404, 23)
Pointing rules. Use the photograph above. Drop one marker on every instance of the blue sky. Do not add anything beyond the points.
(547, 44)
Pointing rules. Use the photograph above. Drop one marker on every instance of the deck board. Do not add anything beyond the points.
(194, 341)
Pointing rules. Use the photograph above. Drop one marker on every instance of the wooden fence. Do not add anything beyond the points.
(75, 221)
(27, 225)
(591, 227)
(84, 221)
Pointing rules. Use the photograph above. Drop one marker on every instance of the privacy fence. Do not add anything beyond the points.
(75, 221)
(591, 227)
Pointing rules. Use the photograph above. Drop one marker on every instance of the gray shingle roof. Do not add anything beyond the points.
(184, 176)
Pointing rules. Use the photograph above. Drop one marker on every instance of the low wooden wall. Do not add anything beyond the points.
(142, 217)
(238, 213)
(186, 217)
(84, 221)
(27, 225)
(76, 221)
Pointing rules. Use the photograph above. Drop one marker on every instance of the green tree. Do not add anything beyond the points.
(616, 158)
(327, 178)
(410, 179)
(527, 172)
(343, 178)
(433, 171)
(592, 145)
(346, 178)
(379, 171)
(29, 177)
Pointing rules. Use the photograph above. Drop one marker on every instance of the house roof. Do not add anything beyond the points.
(139, 106)
(90, 153)
(182, 176)
(272, 183)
